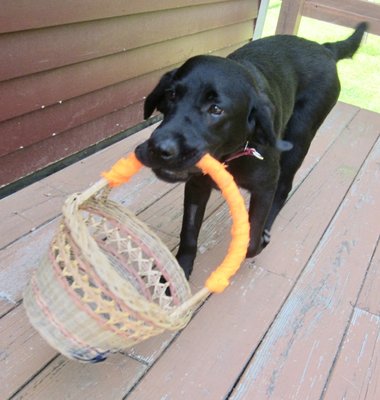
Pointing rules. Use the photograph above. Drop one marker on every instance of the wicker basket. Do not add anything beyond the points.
(107, 282)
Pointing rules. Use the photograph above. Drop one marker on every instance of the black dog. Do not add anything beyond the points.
(256, 110)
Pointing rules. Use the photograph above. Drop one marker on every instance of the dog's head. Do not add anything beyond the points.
(209, 105)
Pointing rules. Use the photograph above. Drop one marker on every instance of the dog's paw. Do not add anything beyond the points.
(186, 262)
(254, 249)
(265, 238)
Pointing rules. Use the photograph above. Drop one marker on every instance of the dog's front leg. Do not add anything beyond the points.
(197, 194)
(260, 204)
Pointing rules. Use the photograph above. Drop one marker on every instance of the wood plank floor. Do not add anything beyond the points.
(301, 321)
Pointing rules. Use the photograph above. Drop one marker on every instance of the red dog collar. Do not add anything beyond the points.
(247, 151)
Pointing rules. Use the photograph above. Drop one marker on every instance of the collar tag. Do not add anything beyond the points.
(247, 151)
(253, 152)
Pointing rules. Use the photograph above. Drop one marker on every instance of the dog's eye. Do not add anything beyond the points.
(215, 110)
(170, 94)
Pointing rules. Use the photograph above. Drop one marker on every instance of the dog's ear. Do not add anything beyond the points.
(261, 119)
(156, 97)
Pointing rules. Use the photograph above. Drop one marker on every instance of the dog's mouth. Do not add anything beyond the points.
(178, 170)
(172, 176)
(182, 169)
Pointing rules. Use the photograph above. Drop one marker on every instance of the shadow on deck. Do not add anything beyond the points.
(302, 321)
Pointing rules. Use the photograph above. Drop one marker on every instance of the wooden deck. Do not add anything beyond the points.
(302, 321)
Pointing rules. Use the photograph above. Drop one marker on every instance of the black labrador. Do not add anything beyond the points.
(257, 111)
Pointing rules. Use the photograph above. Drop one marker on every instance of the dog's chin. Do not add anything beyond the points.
(172, 176)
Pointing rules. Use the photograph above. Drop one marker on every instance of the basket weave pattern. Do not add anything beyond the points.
(107, 283)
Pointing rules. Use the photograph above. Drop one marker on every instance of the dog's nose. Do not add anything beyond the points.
(166, 150)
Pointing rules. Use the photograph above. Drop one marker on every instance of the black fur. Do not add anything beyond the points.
(273, 93)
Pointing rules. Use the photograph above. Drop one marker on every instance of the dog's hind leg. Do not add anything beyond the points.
(301, 129)
(290, 163)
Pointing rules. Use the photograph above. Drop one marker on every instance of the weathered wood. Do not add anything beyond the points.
(75, 69)
(357, 369)
(330, 130)
(19, 260)
(16, 274)
(38, 198)
(320, 196)
(23, 352)
(210, 344)
(347, 13)
(25, 15)
(110, 379)
(204, 361)
(298, 352)
(290, 17)
(212, 235)
(29, 93)
(12, 357)
(369, 299)
(35, 51)
(80, 175)
(31, 128)
(38, 203)
(24, 131)
(18, 282)
(207, 358)
(57, 147)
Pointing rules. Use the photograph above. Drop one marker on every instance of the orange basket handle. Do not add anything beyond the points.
(219, 279)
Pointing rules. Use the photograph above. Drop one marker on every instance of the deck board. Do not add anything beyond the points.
(369, 299)
(239, 345)
(27, 209)
(356, 373)
(63, 379)
(298, 352)
(315, 205)
(20, 344)
(357, 368)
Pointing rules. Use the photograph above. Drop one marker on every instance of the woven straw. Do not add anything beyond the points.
(107, 283)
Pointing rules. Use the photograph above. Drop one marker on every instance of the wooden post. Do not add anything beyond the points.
(259, 26)
(290, 16)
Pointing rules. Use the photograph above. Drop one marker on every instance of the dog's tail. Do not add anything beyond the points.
(347, 48)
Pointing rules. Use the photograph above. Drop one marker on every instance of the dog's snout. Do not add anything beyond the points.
(166, 150)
